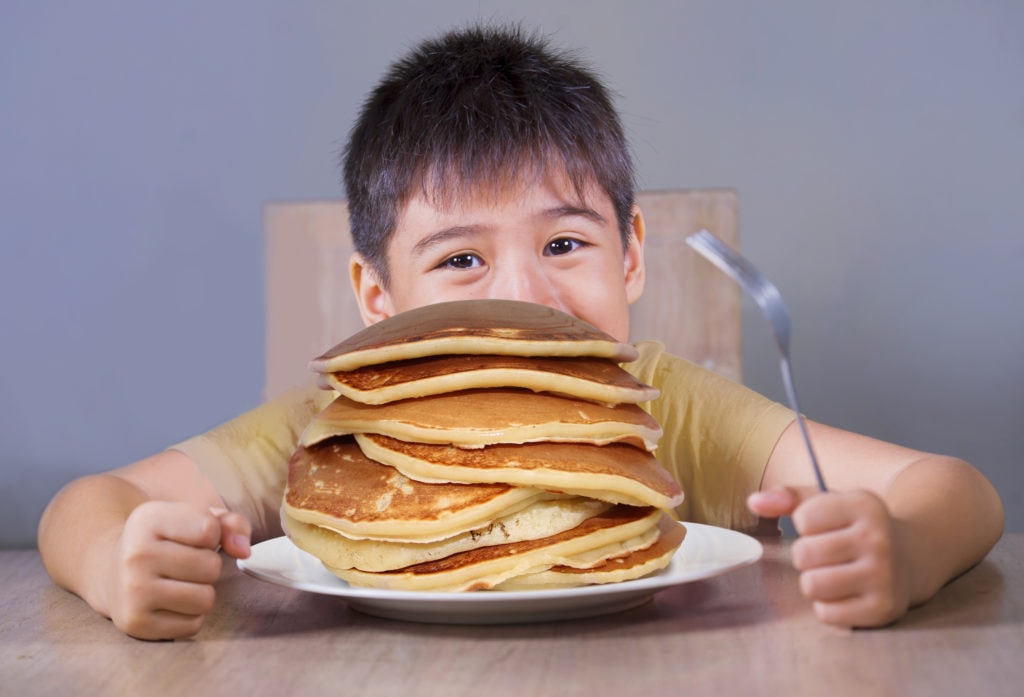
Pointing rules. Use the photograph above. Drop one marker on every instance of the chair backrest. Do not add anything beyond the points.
(687, 304)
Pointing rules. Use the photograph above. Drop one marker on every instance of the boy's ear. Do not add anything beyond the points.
(374, 301)
(633, 261)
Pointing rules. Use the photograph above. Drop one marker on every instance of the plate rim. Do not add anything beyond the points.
(674, 574)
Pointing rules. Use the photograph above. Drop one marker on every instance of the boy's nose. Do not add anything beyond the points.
(524, 282)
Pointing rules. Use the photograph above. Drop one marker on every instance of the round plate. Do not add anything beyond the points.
(706, 551)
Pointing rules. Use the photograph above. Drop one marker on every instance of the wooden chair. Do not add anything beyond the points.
(687, 304)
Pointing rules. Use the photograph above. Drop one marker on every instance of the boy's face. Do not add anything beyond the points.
(536, 242)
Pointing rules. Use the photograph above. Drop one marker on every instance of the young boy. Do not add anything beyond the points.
(486, 165)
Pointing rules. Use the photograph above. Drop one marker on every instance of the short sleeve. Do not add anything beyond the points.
(718, 436)
(247, 458)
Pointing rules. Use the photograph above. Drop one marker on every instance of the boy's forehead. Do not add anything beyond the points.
(455, 195)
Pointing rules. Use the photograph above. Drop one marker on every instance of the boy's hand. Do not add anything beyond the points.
(166, 562)
(848, 554)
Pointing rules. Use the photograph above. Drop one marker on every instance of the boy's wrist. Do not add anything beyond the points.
(100, 573)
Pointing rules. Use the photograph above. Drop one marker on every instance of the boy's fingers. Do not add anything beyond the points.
(829, 549)
(175, 522)
(185, 563)
(159, 625)
(858, 611)
(780, 501)
(832, 583)
(822, 515)
(235, 533)
(183, 598)
(836, 510)
(772, 503)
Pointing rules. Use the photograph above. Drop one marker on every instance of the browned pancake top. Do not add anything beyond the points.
(598, 370)
(511, 323)
(336, 479)
(488, 410)
(616, 459)
(617, 515)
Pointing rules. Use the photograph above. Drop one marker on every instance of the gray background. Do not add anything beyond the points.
(877, 146)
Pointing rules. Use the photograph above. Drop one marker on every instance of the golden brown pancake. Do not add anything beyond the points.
(500, 327)
(617, 472)
(616, 532)
(537, 520)
(499, 439)
(634, 565)
(334, 485)
(475, 418)
(593, 379)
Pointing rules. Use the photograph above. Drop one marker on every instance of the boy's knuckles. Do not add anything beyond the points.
(815, 586)
(800, 555)
(814, 551)
(871, 607)
(206, 596)
(140, 552)
(163, 611)
(808, 586)
(874, 541)
(134, 618)
(195, 600)
(207, 533)
(206, 569)
(879, 609)
(216, 564)
(154, 627)
(134, 625)
(236, 523)
(138, 594)
(814, 516)
(156, 520)
(190, 627)
(834, 614)
(805, 562)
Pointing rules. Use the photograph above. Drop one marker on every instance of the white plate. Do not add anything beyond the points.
(706, 551)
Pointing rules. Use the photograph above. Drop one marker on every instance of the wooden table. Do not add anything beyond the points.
(747, 632)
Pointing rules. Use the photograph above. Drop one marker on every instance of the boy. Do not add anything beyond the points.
(487, 165)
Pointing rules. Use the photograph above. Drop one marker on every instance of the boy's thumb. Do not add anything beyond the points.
(235, 533)
(780, 501)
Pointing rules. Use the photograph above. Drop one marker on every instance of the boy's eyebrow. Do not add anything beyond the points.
(443, 235)
(569, 211)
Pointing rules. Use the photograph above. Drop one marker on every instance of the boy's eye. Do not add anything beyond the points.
(461, 261)
(562, 245)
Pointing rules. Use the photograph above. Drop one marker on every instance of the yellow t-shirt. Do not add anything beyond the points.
(718, 436)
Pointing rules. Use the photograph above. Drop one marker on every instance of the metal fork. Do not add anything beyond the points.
(768, 298)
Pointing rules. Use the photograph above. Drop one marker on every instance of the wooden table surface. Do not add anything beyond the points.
(746, 632)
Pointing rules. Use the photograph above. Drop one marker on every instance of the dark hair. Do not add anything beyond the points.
(472, 109)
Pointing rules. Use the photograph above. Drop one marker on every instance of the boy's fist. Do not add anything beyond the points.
(847, 554)
(165, 566)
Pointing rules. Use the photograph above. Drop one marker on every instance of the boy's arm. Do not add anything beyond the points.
(894, 527)
(139, 544)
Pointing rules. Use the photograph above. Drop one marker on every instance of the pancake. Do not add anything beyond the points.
(538, 520)
(474, 442)
(498, 327)
(616, 532)
(475, 418)
(336, 486)
(617, 472)
(593, 379)
(626, 568)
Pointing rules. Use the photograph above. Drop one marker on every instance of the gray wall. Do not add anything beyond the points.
(878, 148)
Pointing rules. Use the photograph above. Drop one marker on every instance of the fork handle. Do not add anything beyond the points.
(787, 381)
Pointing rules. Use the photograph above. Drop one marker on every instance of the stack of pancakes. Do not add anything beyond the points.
(482, 444)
